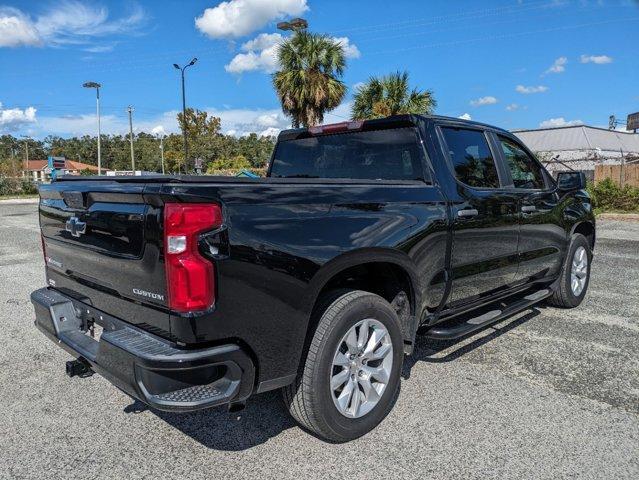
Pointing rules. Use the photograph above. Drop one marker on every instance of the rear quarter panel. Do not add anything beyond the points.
(286, 241)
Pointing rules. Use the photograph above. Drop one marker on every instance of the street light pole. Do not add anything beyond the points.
(186, 146)
(97, 100)
(130, 110)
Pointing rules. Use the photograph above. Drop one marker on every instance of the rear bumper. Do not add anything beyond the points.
(146, 367)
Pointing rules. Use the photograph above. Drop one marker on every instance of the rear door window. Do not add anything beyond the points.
(392, 154)
(471, 157)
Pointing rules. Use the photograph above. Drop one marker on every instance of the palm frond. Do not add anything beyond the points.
(390, 95)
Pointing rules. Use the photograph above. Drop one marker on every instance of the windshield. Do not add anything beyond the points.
(393, 154)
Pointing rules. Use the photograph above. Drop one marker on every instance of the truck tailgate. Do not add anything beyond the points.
(102, 245)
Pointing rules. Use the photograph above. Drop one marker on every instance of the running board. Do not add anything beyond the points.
(456, 328)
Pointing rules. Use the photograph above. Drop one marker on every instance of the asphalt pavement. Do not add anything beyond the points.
(548, 394)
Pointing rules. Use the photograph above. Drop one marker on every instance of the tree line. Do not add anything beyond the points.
(217, 151)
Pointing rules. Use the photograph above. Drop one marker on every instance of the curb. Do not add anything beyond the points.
(624, 217)
(20, 201)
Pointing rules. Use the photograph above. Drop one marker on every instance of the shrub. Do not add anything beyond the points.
(607, 195)
(17, 186)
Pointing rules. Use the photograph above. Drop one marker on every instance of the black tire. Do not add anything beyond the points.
(309, 398)
(563, 295)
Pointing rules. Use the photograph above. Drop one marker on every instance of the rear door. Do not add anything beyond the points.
(542, 240)
(485, 217)
(103, 245)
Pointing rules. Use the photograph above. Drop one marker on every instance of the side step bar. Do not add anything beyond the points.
(455, 328)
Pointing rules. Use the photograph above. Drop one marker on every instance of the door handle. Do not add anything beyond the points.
(467, 212)
(528, 208)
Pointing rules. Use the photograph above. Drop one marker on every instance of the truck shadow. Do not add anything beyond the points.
(430, 350)
(265, 416)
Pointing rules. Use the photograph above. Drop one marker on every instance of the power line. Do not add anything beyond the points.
(450, 17)
(502, 37)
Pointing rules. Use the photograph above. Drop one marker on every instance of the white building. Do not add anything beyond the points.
(580, 147)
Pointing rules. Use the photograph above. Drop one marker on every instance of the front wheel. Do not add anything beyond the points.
(350, 377)
(575, 274)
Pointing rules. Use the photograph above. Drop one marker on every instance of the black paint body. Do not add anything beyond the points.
(283, 240)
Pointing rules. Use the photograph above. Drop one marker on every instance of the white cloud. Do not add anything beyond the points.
(532, 89)
(484, 101)
(66, 22)
(12, 119)
(350, 50)
(100, 48)
(598, 59)
(559, 122)
(16, 29)
(238, 122)
(269, 120)
(261, 53)
(558, 66)
(512, 107)
(465, 116)
(236, 18)
(158, 131)
(270, 132)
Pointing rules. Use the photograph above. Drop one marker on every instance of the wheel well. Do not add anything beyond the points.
(587, 229)
(381, 278)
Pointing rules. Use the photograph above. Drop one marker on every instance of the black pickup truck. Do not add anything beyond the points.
(189, 292)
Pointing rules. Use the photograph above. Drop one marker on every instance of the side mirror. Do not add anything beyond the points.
(568, 181)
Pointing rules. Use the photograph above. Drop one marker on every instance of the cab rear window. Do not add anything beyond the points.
(393, 154)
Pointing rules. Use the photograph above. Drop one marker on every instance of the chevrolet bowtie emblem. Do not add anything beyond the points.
(75, 227)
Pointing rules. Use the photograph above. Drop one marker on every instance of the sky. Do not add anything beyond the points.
(511, 63)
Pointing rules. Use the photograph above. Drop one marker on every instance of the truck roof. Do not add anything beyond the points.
(394, 121)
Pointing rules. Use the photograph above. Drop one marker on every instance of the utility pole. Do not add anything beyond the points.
(97, 91)
(26, 146)
(130, 110)
(186, 145)
(162, 151)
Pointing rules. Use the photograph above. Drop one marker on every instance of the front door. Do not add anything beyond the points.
(486, 218)
(542, 241)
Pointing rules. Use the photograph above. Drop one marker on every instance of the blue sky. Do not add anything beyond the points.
(516, 64)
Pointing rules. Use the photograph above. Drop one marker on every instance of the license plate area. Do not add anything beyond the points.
(95, 331)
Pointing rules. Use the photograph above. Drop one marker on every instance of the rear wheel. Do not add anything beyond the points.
(350, 377)
(575, 274)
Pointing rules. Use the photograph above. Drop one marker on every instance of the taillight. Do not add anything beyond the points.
(189, 276)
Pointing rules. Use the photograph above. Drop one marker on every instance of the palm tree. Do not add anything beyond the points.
(390, 95)
(308, 83)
